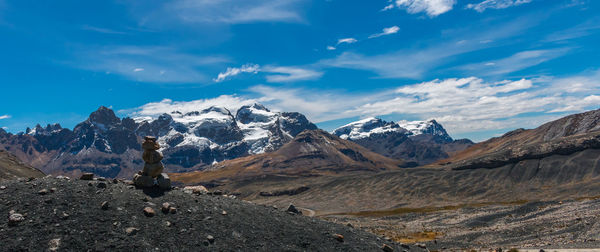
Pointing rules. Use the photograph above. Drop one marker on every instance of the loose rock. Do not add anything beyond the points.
(87, 176)
(43, 192)
(195, 189)
(131, 231)
(224, 212)
(104, 205)
(15, 218)
(210, 239)
(165, 207)
(339, 237)
(387, 248)
(54, 244)
(172, 210)
(292, 209)
(149, 212)
(2, 187)
(101, 185)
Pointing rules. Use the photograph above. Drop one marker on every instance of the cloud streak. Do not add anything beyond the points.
(386, 31)
(2, 117)
(233, 71)
(496, 4)
(432, 8)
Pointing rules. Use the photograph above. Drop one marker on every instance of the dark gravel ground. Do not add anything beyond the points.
(69, 217)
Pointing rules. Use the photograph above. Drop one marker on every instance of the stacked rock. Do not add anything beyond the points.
(153, 167)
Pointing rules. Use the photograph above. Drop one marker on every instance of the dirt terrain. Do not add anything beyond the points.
(534, 225)
(76, 215)
(11, 168)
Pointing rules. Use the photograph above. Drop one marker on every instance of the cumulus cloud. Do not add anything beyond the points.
(388, 7)
(496, 4)
(462, 105)
(386, 31)
(154, 109)
(331, 48)
(432, 8)
(347, 41)
(4, 117)
(233, 71)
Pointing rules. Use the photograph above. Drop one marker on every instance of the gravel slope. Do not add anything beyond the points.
(69, 217)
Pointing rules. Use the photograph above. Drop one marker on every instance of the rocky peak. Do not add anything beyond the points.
(103, 117)
(431, 127)
(366, 127)
(254, 113)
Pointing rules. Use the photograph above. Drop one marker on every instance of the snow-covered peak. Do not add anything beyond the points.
(430, 127)
(365, 128)
(39, 130)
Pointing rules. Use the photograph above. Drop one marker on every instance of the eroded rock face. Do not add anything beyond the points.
(110, 147)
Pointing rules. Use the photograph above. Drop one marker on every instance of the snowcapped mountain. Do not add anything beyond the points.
(421, 142)
(371, 126)
(110, 146)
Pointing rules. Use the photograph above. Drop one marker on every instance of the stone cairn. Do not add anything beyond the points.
(153, 168)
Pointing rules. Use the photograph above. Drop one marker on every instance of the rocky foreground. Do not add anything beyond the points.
(70, 214)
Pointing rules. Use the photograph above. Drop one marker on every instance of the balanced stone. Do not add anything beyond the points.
(153, 167)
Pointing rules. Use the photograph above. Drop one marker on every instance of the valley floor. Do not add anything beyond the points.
(549, 225)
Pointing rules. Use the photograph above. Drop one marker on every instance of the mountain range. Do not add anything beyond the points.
(110, 146)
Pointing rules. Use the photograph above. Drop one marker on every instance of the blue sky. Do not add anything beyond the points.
(480, 67)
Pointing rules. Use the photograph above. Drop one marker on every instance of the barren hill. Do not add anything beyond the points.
(59, 214)
(312, 152)
(11, 168)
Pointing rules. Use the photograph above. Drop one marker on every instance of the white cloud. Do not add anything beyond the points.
(275, 74)
(290, 74)
(433, 8)
(233, 71)
(234, 11)
(154, 109)
(388, 7)
(386, 31)
(331, 48)
(462, 105)
(496, 4)
(515, 62)
(4, 117)
(347, 41)
(101, 30)
(147, 64)
(415, 62)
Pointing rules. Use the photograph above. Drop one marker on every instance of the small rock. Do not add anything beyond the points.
(53, 189)
(131, 231)
(350, 225)
(217, 192)
(115, 181)
(104, 205)
(101, 185)
(2, 187)
(149, 212)
(339, 237)
(292, 209)
(146, 199)
(165, 207)
(54, 244)
(43, 192)
(116, 223)
(172, 210)
(168, 224)
(15, 218)
(404, 246)
(90, 184)
(101, 179)
(210, 239)
(224, 212)
(421, 245)
(387, 248)
(87, 176)
(195, 189)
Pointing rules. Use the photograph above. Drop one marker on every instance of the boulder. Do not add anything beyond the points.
(153, 170)
(149, 212)
(292, 209)
(164, 182)
(195, 189)
(15, 218)
(87, 176)
(143, 181)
